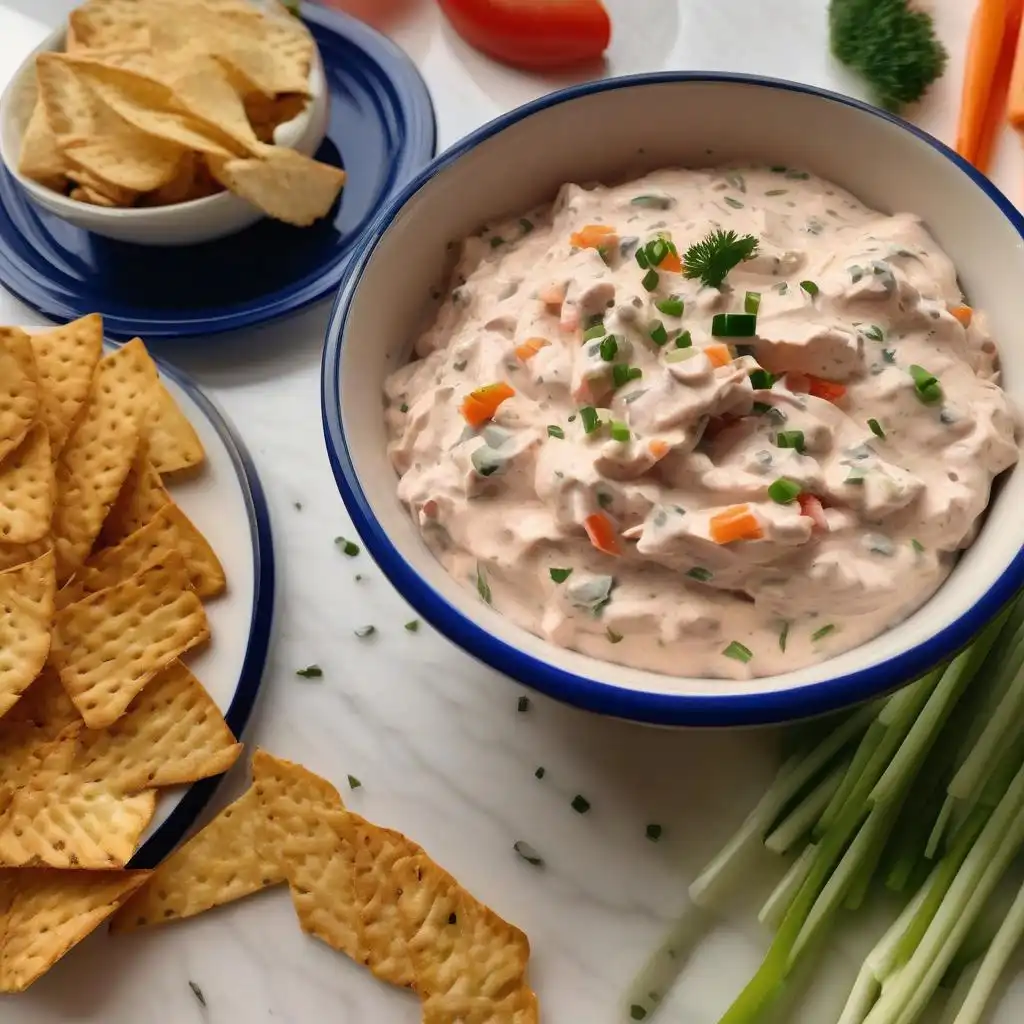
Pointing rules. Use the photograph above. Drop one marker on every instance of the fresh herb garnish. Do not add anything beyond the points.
(580, 804)
(733, 325)
(619, 431)
(751, 302)
(622, 374)
(699, 573)
(650, 279)
(526, 225)
(685, 340)
(790, 439)
(404, 407)
(198, 993)
(346, 547)
(554, 431)
(365, 631)
(916, 545)
(310, 672)
(637, 1012)
(926, 385)
(593, 333)
(672, 306)
(761, 380)
(589, 418)
(876, 428)
(810, 287)
(654, 832)
(738, 652)
(613, 637)
(784, 491)
(889, 355)
(412, 626)
(609, 348)
(559, 575)
(523, 705)
(528, 853)
(483, 588)
(783, 637)
(657, 331)
(874, 333)
(820, 634)
(734, 203)
(353, 782)
(711, 259)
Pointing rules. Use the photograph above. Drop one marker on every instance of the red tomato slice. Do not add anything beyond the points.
(532, 33)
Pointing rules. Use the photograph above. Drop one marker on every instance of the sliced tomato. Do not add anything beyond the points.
(532, 33)
(826, 389)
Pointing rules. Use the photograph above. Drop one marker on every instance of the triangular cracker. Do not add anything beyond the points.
(108, 646)
(19, 391)
(142, 495)
(26, 619)
(52, 911)
(12, 555)
(27, 489)
(223, 862)
(41, 158)
(44, 706)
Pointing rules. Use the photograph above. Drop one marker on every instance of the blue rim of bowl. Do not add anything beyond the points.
(723, 709)
(250, 678)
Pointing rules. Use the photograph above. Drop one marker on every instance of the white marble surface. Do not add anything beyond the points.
(436, 738)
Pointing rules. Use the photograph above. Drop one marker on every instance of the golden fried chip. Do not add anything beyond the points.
(179, 188)
(19, 391)
(142, 496)
(519, 1007)
(66, 359)
(41, 158)
(283, 184)
(98, 191)
(27, 489)
(273, 53)
(171, 734)
(110, 25)
(128, 159)
(26, 617)
(52, 911)
(60, 818)
(267, 114)
(110, 645)
(92, 467)
(222, 863)
(72, 110)
(81, 194)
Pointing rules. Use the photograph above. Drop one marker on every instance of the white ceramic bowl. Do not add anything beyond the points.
(199, 220)
(604, 131)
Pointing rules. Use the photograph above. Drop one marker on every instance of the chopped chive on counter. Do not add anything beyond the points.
(650, 280)
(609, 348)
(589, 418)
(685, 340)
(876, 428)
(528, 853)
(613, 637)
(354, 783)
(783, 637)
(346, 547)
(559, 575)
(738, 652)
(412, 626)
(926, 385)
(874, 333)
(483, 588)
(580, 804)
(558, 432)
(916, 545)
(365, 631)
(654, 832)
(734, 325)
(641, 258)
(593, 333)
(699, 573)
(761, 380)
(622, 374)
(619, 431)
(540, 772)
(672, 306)
(657, 332)
(310, 672)
(810, 287)
(820, 634)
(526, 225)
(783, 491)
(523, 705)
(790, 439)
(752, 302)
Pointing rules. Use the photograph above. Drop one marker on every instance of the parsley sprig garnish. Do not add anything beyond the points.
(713, 257)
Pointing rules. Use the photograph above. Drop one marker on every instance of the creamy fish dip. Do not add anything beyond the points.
(614, 467)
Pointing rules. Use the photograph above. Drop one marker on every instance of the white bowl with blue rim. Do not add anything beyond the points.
(646, 122)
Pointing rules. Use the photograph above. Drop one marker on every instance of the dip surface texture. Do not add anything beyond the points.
(650, 497)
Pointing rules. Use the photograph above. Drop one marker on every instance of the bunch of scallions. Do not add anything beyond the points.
(922, 793)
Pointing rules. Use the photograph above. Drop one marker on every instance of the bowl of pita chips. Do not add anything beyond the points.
(172, 122)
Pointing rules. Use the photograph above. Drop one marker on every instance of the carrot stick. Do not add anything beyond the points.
(530, 348)
(479, 406)
(826, 389)
(1002, 78)
(658, 448)
(672, 264)
(718, 355)
(964, 314)
(602, 533)
(736, 523)
(593, 236)
(1015, 100)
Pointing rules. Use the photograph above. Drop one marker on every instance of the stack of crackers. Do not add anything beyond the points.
(157, 102)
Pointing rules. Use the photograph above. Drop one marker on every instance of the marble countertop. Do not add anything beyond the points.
(436, 739)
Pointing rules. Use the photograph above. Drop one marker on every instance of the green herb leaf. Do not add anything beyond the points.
(657, 332)
(412, 626)
(876, 428)
(874, 333)
(365, 631)
(650, 280)
(916, 545)
(820, 634)
(810, 287)
(672, 306)
(558, 432)
(609, 348)
(523, 705)
(593, 333)
(711, 259)
(784, 491)
(353, 782)
(738, 652)
(483, 588)
(580, 804)
(559, 575)
(752, 302)
(699, 573)
(346, 547)
(310, 672)
(589, 418)
(783, 637)
(620, 432)
(654, 832)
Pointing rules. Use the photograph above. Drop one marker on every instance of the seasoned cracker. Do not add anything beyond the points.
(27, 489)
(19, 391)
(26, 618)
(41, 159)
(142, 496)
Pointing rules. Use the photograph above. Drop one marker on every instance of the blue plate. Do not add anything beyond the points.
(381, 130)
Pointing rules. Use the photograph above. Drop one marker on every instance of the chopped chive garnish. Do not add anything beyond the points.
(554, 431)
(624, 374)
(685, 340)
(672, 306)
(653, 202)
(916, 545)
(346, 547)
(889, 355)
(820, 634)
(528, 853)
(364, 631)
(198, 993)
(540, 772)
(734, 325)
(657, 251)
(483, 588)
(353, 782)
(609, 348)
(310, 672)
(810, 287)
(699, 573)
(559, 575)
(526, 225)
(734, 203)
(738, 652)
(619, 431)
(650, 280)
(874, 333)
(523, 705)
(783, 637)
(654, 832)
(641, 258)
(783, 491)
(589, 418)
(657, 332)
(926, 385)
(876, 428)
(613, 637)
(761, 380)
(752, 302)
(412, 626)
(790, 439)
(404, 407)
(593, 333)
(580, 804)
